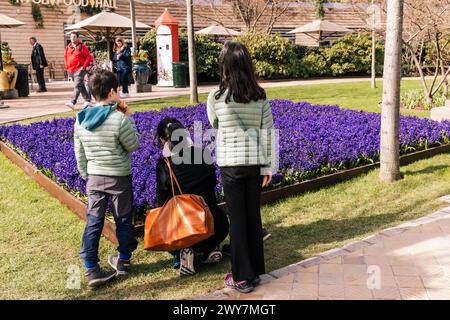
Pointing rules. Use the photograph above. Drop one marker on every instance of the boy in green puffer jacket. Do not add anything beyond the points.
(105, 135)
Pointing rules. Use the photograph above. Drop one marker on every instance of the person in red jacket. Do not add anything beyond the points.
(76, 60)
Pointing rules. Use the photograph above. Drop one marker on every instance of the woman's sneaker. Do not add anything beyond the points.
(97, 277)
(187, 262)
(256, 281)
(241, 286)
(226, 250)
(215, 256)
(122, 267)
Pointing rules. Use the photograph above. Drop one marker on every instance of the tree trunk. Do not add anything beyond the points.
(191, 50)
(374, 46)
(390, 114)
(374, 72)
(133, 25)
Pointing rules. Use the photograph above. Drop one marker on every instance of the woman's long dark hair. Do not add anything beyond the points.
(166, 128)
(237, 74)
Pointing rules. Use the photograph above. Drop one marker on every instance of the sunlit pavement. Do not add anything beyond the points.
(411, 261)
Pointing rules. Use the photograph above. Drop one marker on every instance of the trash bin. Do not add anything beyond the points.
(22, 84)
(179, 74)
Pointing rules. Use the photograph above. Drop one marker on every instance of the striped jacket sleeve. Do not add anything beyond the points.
(267, 135)
(128, 134)
(212, 117)
(80, 155)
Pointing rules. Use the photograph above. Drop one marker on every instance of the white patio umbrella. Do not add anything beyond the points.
(216, 30)
(107, 24)
(6, 22)
(319, 27)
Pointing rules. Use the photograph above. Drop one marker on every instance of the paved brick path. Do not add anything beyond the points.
(411, 261)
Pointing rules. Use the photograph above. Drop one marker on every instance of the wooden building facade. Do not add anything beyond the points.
(52, 36)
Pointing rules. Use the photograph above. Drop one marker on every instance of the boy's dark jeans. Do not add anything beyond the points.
(242, 186)
(99, 190)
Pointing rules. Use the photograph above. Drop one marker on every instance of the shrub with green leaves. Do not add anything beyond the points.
(352, 54)
(206, 53)
(276, 57)
(430, 54)
(272, 55)
(148, 43)
(206, 50)
(316, 64)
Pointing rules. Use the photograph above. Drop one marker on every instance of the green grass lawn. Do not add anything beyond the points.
(40, 238)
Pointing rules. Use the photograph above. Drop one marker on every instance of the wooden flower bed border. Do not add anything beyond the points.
(109, 229)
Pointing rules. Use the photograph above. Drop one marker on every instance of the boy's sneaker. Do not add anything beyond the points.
(124, 95)
(265, 234)
(71, 105)
(97, 277)
(215, 256)
(187, 262)
(122, 267)
(176, 260)
(241, 286)
(87, 104)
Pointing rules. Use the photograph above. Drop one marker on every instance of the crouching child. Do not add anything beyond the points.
(105, 135)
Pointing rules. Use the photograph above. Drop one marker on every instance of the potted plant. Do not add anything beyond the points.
(8, 76)
(141, 67)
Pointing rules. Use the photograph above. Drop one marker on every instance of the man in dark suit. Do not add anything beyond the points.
(38, 63)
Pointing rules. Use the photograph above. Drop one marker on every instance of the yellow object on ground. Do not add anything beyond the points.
(8, 77)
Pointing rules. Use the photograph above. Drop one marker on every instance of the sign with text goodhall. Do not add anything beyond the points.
(104, 4)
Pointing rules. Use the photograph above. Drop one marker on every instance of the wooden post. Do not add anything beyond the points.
(191, 50)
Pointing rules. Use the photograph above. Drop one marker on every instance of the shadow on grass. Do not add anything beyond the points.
(287, 245)
(171, 281)
(428, 170)
(283, 248)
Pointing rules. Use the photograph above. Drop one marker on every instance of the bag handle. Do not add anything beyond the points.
(172, 178)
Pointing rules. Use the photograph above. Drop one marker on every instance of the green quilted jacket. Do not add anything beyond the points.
(244, 135)
(104, 139)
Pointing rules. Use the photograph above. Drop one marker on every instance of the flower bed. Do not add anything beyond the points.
(314, 141)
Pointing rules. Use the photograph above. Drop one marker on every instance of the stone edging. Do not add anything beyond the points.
(333, 253)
